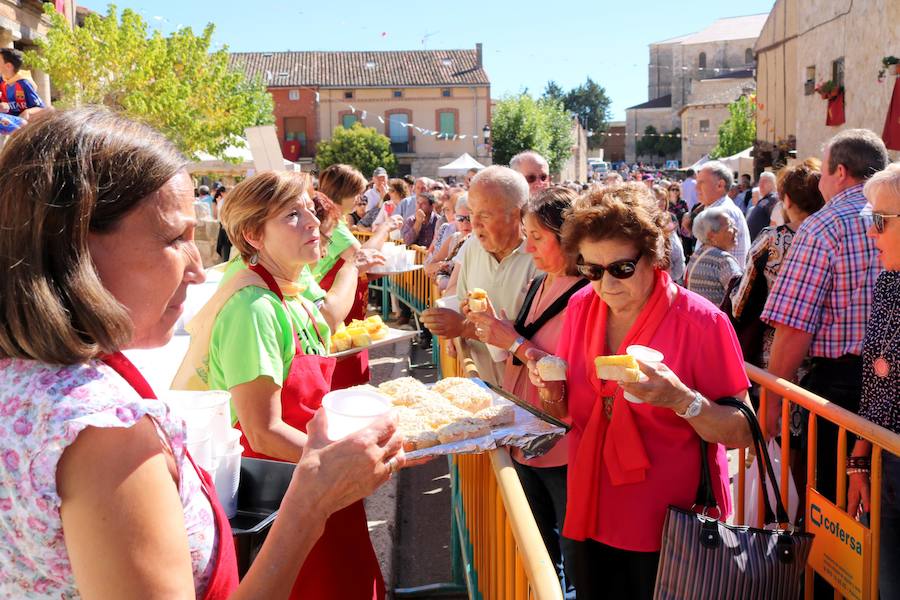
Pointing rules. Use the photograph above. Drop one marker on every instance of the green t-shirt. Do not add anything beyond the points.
(308, 284)
(341, 239)
(252, 337)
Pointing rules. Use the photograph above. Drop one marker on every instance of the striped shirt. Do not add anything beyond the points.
(742, 241)
(826, 283)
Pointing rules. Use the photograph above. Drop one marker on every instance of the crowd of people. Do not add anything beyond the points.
(797, 274)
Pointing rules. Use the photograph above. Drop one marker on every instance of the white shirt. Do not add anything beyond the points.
(373, 199)
(506, 283)
(742, 247)
(689, 192)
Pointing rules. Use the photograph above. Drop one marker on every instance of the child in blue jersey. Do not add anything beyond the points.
(18, 97)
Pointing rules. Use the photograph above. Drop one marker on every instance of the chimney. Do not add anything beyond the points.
(478, 57)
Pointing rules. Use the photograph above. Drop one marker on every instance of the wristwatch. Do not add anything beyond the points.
(693, 408)
(515, 345)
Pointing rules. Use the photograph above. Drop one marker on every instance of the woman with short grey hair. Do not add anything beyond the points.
(711, 271)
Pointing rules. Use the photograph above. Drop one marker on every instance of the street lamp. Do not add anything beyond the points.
(486, 134)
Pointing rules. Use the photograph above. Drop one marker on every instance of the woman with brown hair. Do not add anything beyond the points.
(630, 459)
(97, 255)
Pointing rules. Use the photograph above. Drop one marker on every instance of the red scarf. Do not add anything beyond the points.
(624, 457)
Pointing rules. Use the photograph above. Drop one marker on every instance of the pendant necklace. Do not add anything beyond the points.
(881, 366)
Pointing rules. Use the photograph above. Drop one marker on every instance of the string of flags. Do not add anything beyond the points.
(363, 116)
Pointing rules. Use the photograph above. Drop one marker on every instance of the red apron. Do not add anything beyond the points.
(224, 579)
(342, 565)
(354, 369)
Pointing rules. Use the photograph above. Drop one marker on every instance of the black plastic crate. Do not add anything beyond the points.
(262, 486)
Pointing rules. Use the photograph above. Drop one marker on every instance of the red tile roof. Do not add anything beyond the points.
(409, 68)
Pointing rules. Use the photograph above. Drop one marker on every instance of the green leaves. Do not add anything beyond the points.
(655, 144)
(359, 146)
(523, 123)
(173, 83)
(738, 132)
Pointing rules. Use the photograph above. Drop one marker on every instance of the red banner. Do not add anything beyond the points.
(891, 135)
(835, 110)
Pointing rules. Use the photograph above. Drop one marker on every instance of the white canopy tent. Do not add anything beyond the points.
(703, 159)
(740, 163)
(242, 163)
(460, 166)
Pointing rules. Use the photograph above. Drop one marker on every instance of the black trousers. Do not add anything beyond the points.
(603, 572)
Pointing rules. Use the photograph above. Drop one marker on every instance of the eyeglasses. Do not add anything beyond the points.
(621, 269)
(463, 219)
(878, 220)
(531, 178)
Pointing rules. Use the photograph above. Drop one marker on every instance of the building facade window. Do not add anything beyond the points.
(347, 120)
(295, 131)
(704, 125)
(837, 71)
(396, 123)
(748, 56)
(701, 61)
(348, 95)
(446, 122)
(445, 93)
(294, 95)
(809, 86)
(397, 94)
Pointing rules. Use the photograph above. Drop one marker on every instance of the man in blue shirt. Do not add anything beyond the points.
(18, 96)
(408, 206)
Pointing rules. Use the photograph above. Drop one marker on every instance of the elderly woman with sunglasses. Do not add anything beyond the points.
(630, 460)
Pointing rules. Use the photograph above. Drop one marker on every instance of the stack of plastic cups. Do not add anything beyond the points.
(228, 471)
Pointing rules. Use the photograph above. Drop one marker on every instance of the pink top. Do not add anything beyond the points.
(515, 379)
(700, 346)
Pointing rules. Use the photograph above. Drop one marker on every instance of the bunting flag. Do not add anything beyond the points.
(380, 119)
(891, 135)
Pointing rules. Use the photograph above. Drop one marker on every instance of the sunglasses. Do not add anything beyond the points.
(463, 219)
(878, 220)
(621, 269)
(532, 178)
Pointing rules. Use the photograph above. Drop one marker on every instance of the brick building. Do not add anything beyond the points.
(432, 104)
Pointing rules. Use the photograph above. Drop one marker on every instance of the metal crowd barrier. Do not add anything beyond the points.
(854, 565)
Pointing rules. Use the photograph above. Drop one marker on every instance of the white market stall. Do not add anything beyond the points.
(459, 166)
(740, 163)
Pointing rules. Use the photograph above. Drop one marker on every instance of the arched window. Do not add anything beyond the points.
(701, 62)
(748, 56)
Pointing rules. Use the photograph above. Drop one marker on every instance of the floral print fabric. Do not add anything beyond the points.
(43, 408)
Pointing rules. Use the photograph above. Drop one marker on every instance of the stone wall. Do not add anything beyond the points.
(860, 32)
(637, 120)
(724, 56)
(779, 80)
(696, 143)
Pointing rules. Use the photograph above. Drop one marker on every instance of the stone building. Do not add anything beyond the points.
(701, 118)
(806, 42)
(22, 23)
(576, 169)
(433, 104)
(678, 64)
(613, 142)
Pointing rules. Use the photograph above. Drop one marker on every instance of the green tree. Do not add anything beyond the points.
(359, 146)
(738, 132)
(173, 83)
(590, 102)
(522, 123)
(654, 143)
(554, 92)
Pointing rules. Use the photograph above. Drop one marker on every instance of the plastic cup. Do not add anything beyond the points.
(232, 441)
(350, 410)
(646, 355)
(451, 302)
(497, 354)
(227, 479)
(209, 409)
(396, 235)
(410, 258)
(199, 444)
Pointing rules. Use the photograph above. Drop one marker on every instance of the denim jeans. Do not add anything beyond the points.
(545, 488)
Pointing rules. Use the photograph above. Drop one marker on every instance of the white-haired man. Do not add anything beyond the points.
(713, 182)
(375, 195)
(534, 168)
(408, 206)
(494, 259)
(761, 214)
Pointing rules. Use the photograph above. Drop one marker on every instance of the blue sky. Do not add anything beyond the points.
(526, 43)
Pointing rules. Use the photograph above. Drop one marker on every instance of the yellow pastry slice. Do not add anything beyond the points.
(620, 367)
(361, 340)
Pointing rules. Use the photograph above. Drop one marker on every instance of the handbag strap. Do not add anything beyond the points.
(528, 331)
(705, 496)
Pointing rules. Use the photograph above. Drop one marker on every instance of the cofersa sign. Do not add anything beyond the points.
(841, 549)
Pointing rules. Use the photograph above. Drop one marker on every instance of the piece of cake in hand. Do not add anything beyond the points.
(552, 368)
(478, 300)
(497, 415)
(619, 367)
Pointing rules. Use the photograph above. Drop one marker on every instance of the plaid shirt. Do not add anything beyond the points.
(826, 283)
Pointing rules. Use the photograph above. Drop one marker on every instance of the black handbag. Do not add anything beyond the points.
(703, 558)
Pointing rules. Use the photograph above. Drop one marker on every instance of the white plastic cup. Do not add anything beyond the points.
(227, 479)
(199, 443)
(410, 258)
(497, 354)
(450, 302)
(396, 235)
(232, 441)
(645, 355)
(208, 409)
(350, 410)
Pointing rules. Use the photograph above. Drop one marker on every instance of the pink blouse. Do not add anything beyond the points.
(515, 379)
(701, 347)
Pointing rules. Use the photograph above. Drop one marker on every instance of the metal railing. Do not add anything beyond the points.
(846, 421)
(502, 549)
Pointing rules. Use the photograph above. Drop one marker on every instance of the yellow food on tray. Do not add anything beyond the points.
(497, 415)
(463, 429)
(620, 367)
(341, 340)
(401, 385)
(467, 395)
